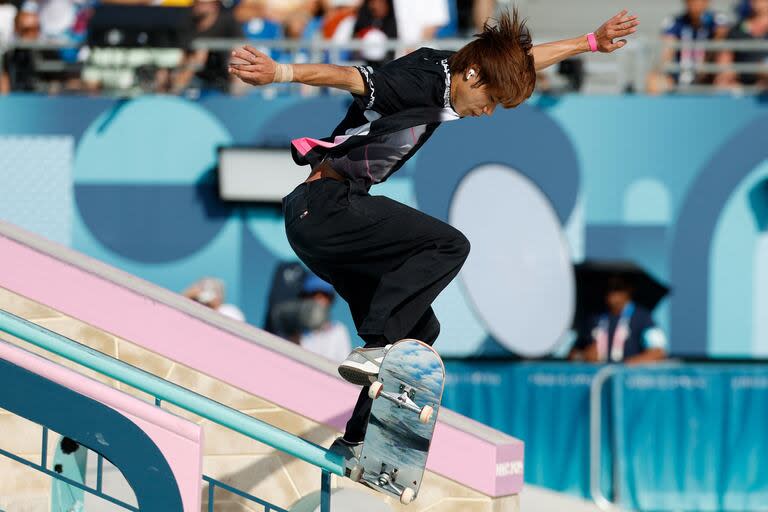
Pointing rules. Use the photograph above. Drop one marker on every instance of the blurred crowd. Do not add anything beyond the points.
(698, 23)
(140, 46)
(133, 46)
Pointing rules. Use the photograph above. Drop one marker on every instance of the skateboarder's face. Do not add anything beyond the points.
(471, 99)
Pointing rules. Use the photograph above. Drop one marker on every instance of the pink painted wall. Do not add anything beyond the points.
(179, 440)
(274, 376)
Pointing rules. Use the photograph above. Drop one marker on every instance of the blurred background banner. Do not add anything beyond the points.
(689, 438)
(684, 199)
(553, 395)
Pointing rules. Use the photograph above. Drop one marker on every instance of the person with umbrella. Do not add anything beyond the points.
(624, 331)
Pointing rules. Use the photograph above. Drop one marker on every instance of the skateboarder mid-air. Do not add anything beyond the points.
(387, 260)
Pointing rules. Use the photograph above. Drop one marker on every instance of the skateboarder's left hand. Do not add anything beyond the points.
(620, 25)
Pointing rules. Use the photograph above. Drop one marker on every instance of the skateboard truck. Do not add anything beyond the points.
(386, 479)
(403, 400)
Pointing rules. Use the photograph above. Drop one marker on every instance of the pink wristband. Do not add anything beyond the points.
(592, 41)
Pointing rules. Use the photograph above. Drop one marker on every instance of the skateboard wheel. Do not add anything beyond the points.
(356, 473)
(375, 390)
(426, 414)
(407, 496)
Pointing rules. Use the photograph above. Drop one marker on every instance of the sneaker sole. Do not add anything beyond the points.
(351, 459)
(358, 375)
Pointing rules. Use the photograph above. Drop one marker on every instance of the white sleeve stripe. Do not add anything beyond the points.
(655, 338)
(367, 74)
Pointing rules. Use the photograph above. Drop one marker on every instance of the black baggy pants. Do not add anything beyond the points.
(387, 260)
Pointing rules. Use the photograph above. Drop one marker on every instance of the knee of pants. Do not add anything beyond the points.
(434, 332)
(461, 246)
(452, 244)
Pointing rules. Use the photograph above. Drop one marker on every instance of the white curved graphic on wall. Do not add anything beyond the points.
(737, 298)
(519, 275)
(575, 229)
(758, 198)
(760, 304)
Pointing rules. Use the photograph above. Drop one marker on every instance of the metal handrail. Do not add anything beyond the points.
(595, 428)
(741, 90)
(719, 44)
(328, 462)
(390, 44)
(595, 433)
(712, 67)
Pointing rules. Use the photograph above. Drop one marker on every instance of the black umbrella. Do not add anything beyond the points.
(592, 281)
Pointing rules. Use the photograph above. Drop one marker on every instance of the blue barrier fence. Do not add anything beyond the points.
(685, 438)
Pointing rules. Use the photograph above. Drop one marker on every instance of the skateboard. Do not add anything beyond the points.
(406, 400)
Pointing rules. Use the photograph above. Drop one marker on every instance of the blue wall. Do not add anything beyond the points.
(676, 184)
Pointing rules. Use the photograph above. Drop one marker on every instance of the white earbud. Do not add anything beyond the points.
(470, 74)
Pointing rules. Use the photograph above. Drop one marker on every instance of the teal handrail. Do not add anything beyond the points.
(169, 392)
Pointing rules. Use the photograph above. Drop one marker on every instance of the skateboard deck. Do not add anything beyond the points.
(407, 395)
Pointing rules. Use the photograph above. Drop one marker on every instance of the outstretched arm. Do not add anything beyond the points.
(253, 67)
(621, 25)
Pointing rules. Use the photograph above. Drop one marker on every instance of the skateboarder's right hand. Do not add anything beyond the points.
(252, 67)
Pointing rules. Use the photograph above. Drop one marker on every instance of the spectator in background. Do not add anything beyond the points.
(744, 9)
(20, 66)
(7, 18)
(57, 17)
(697, 23)
(420, 20)
(473, 14)
(210, 292)
(278, 11)
(206, 69)
(625, 333)
(295, 26)
(754, 27)
(374, 26)
(330, 339)
(287, 282)
(339, 19)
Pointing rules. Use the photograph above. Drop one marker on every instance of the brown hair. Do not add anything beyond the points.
(502, 52)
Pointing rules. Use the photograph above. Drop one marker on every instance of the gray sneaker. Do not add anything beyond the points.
(361, 366)
(350, 452)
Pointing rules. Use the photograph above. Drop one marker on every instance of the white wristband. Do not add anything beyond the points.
(283, 73)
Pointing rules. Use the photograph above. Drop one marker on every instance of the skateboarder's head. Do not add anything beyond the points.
(496, 68)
